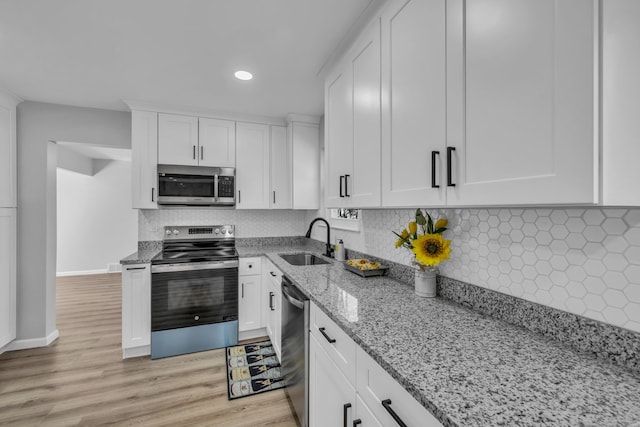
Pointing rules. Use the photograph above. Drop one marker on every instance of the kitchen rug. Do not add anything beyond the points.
(251, 369)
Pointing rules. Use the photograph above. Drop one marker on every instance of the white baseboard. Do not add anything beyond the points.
(80, 273)
(144, 350)
(254, 333)
(31, 342)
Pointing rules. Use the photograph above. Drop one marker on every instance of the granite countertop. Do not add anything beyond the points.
(466, 368)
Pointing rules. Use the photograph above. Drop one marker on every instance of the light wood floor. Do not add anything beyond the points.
(81, 379)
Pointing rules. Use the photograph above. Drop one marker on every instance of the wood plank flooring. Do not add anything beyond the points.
(81, 379)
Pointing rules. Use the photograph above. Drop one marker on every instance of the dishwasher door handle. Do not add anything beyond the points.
(293, 300)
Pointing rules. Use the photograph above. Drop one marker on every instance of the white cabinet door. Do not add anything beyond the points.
(338, 135)
(8, 149)
(364, 415)
(522, 86)
(332, 398)
(363, 186)
(144, 159)
(177, 140)
(414, 103)
(7, 275)
(252, 166)
(304, 140)
(217, 142)
(249, 297)
(136, 310)
(280, 197)
(620, 102)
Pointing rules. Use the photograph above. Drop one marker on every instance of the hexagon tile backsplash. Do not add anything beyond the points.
(582, 260)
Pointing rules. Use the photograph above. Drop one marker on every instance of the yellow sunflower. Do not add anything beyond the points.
(402, 238)
(431, 249)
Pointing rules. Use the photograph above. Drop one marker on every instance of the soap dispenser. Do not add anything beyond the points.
(339, 252)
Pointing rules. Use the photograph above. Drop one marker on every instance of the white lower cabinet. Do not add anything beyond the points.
(272, 304)
(249, 293)
(348, 388)
(136, 310)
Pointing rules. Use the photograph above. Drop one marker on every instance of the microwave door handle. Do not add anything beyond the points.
(215, 187)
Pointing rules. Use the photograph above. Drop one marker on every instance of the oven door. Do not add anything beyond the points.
(193, 294)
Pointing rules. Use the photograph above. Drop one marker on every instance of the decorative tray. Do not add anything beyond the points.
(365, 268)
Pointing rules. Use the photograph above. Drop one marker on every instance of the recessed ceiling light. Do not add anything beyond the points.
(243, 75)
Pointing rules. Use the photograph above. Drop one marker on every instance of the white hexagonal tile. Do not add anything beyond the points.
(593, 314)
(615, 298)
(594, 267)
(593, 217)
(559, 247)
(614, 226)
(576, 241)
(559, 293)
(529, 229)
(616, 244)
(516, 235)
(575, 225)
(516, 278)
(543, 238)
(543, 267)
(504, 228)
(633, 236)
(559, 216)
(594, 285)
(632, 254)
(530, 288)
(576, 289)
(576, 257)
(614, 213)
(544, 223)
(529, 243)
(615, 280)
(632, 273)
(516, 263)
(574, 212)
(530, 272)
(559, 263)
(504, 254)
(594, 234)
(517, 249)
(494, 233)
(543, 296)
(633, 312)
(615, 262)
(559, 232)
(594, 250)
(529, 258)
(615, 316)
(559, 278)
(504, 215)
(594, 302)
(543, 253)
(516, 222)
(543, 282)
(576, 273)
(632, 218)
(529, 216)
(575, 305)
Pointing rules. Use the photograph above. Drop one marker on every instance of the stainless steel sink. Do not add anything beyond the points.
(303, 259)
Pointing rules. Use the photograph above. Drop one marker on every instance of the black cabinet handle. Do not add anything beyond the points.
(136, 268)
(274, 197)
(346, 186)
(153, 194)
(239, 197)
(194, 152)
(357, 422)
(341, 195)
(271, 295)
(201, 152)
(434, 154)
(243, 290)
(387, 405)
(327, 337)
(272, 274)
(345, 407)
(449, 158)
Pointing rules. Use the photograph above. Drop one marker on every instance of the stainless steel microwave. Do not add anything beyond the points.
(196, 186)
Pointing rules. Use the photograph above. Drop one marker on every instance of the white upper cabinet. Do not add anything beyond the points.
(178, 140)
(522, 102)
(280, 169)
(252, 166)
(352, 125)
(620, 102)
(8, 149)
(217, 142)
(414, 103)
(304, 147)
(144, 159)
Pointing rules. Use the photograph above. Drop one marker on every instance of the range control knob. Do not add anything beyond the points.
(167, 232)
(196, 317)
(176, 232)
(217, 231)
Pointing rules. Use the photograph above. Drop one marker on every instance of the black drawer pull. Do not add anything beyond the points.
(136, 268)
(344, 413)
(450, 151)
(341, 191)
(387, 405)
(271, 295)
(346, 186)
(434, 154)
(356, 422)
(272, 274)
(327, 337)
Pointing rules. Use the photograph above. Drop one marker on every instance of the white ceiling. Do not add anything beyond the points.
(96, 53)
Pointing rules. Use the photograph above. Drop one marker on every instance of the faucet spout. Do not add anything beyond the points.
(329, 248)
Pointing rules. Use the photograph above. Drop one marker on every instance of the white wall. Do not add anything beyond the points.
(38, 124)
(96, 225)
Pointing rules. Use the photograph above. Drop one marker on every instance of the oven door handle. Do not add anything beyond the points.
(191, 266)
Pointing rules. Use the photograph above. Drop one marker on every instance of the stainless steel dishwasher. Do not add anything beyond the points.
(295, 349)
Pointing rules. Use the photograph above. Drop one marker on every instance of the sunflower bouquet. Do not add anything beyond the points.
(423, 237)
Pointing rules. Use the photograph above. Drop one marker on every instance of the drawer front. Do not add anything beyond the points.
(338, 345)
(249, 266)
(272, 272)
(375, 386)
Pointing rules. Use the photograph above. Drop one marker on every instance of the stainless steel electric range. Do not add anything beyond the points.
(194, 291)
